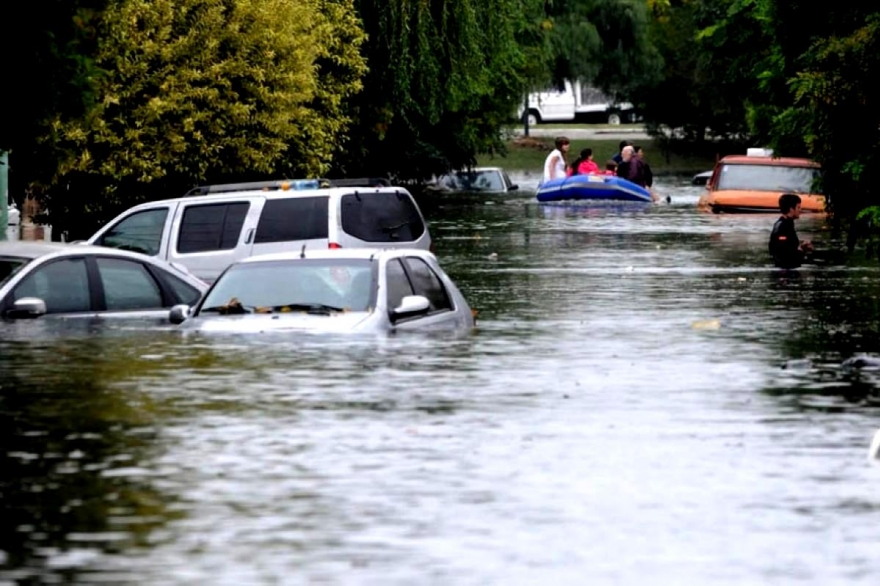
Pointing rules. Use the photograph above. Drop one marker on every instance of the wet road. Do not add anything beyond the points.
(645, 402)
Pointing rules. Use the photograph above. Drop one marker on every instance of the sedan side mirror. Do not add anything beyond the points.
(28, 308)
(410, 306)
(513, 187)
(178, 314)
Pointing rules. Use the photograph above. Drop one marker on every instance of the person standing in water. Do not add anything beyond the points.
(648, 173)
(554, 164)
(786, 249)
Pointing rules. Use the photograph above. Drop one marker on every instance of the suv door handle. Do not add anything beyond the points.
(249, 237)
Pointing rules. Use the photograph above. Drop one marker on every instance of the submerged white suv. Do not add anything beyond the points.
(207, 233)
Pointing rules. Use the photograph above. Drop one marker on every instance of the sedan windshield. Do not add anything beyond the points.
(767, 178)
(9, 265)
(312, 285)
(474, 181)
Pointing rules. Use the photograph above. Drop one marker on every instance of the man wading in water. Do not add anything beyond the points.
(785, 248)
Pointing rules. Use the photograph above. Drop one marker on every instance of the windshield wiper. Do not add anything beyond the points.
(315, 308)
(227, 309)
(390, 229)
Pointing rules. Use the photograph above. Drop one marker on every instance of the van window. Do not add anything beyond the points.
(381, 217)
(139, 232)
(211, 227)
(767, 178)
(295, 218)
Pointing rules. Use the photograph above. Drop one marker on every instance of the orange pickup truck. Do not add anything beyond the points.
(753, 183)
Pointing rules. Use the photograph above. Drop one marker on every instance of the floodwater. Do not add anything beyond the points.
(645, 401)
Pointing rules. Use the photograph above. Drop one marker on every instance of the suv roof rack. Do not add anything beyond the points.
(278, 185)
(288, 184)
(360, 182)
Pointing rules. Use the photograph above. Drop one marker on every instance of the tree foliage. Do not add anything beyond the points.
(198, 90)
(790, 74)
(605, 42)
(48, 48)
(443, 76)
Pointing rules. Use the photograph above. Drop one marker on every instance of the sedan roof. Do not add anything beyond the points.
(35, 249)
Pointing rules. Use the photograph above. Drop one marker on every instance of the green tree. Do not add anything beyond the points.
(199, 90)
(443, 78)
(606, 42)
(836, 112)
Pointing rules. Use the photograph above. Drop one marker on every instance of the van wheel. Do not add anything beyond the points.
(614, 119)
(533, 118)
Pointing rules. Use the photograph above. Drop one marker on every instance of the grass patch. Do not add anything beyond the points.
(530, 153)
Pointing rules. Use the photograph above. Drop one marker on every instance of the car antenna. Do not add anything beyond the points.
(302, 253)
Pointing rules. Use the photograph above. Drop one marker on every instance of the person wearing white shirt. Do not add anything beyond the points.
(554, 164)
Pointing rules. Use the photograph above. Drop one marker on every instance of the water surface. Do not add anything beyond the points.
(645, 400)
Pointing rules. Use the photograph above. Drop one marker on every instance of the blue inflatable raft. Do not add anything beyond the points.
(595, 187)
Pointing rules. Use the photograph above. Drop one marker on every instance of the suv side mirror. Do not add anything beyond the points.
(27, 307)
(513, 187)
(410, 306)
(178, 314)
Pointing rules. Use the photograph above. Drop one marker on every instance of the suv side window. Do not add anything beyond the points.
(210, 227)
(128, 285)
(427, 283)
(139, 232)
(62, 284)
(397, 283)
(381, 217)
(295, 218)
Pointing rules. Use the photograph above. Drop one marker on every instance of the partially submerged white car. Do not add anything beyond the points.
(340, 290)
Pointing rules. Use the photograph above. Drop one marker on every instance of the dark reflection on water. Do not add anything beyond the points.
(645, 400)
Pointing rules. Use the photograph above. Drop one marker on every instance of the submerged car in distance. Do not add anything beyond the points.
(337, 290)
(753, 183)
(478, 179)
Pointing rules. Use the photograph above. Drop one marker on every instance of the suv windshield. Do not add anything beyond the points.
(9, 265)
(767, 178)
(320, 285)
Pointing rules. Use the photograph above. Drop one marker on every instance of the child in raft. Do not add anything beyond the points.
(583, 165)
(610, 168)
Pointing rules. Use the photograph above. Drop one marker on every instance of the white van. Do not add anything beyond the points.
(207, 233)
(575, 100)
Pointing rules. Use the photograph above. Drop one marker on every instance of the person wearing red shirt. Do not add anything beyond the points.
(584, 165)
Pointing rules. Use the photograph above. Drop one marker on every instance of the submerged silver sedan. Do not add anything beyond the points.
(340, 290)
(74, 281)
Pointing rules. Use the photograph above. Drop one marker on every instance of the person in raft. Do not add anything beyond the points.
(785, 248)
(610, 168)
(584, 165)
(554, 164)
(618, 158)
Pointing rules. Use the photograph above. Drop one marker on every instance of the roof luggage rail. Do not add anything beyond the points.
(290, 184)
(360, 182)
(277, 185)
